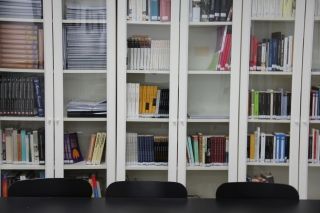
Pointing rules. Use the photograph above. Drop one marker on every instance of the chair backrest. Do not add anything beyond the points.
(146, 189)
(251, 190)
(51, 187)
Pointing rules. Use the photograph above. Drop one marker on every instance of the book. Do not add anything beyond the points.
(273, 9)
(210, 10)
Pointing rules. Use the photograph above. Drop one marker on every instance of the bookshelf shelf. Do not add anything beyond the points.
(84, 21)
(317, 18)
(266, 164)
(205, 72)
(207, 168)
(268, 121)
(85, 119)
(270, 73)
(22, 70)
(209, 120)
(151, 120)
(209, 24)
(147, 72)
(150, 23)
(84, 71)
(275, 19)
(314, 121)
(21, 20)
(21, 167)
(316, 165)
(9, 118)
(315, 73)
(83, 166)
(146, 167)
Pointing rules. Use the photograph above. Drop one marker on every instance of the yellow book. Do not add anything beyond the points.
(140, 99)
(252, 146)
(154, 100)
(144, 99)
(96, 148)
(101, 147)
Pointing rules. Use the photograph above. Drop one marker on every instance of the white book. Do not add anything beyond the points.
(263, 147)
(27, 141)
(15, 145)
(152, 64)
(9, 148)
(36, 147)
(139, 10)
(134, 10)
(131, 58)
(254, 8)
(127, 148)
(138, 62)
(257, 146)
(158, 101)
(129, 15)
(196, 13)
(285, 54)
(127, 99)
(144, 10)
(263, 55)
(32, 156)
(133, 100)
(137, 98)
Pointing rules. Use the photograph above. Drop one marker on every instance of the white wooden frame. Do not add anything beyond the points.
(305, 98)
(234, 89)
(296, 89)
(121, 89)
(111, 90)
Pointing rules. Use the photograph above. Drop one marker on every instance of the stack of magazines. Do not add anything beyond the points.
(85, 46)
(21, 9)
(87, 109)
(75, 9)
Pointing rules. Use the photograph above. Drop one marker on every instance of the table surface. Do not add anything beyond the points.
(117, 205)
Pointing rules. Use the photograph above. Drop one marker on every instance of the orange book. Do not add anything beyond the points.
(91, 146)
(4, 186)
(41, 49)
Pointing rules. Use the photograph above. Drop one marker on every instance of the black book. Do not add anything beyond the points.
(287, 147)
(217, 8)
(211, 10)
(204, 10)
(289, 104)
(269, 147)
(224, 10)
(42, 145)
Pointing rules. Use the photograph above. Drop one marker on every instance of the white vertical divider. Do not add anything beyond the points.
(234, 91)
(111, 91)
(244, 87)
(183, 92)
(48, 97)
(121, 89)
(305, 98)
(174, 86)
(58, 88)
(296, 94)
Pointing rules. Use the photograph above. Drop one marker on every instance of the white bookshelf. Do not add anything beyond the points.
(207, 92)
(85, 85)
(165, 79)
(262, 27)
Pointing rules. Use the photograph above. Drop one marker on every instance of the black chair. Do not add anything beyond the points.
(50, 187)
(146, 189)
(252, 190)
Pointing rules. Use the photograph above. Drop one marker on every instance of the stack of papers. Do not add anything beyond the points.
(87, 109)
(21, 9)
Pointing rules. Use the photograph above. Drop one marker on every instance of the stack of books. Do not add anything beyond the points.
(96, 148)
(21, 45)
(85, 46)
(273, 8)
(149, 10)
(147, 54)
(20, 146)
(147, 101)
(21, 95)
(207, 150)
(269, 104)
(87, 109)
(210, 10)
(75, 9)
(268, 148)
(21, 9)
(146, 149)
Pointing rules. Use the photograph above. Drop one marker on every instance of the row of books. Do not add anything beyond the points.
(87, 108)
(274, 54)
(85, 46)
(269, 104)
(21, 95)
(221, 59)
(21, 45)
(149, 10)
(21, 9)
(262, 178)
(273, 8)
(75, 9)
(96, 148)
(21, 146)
(146, 149)
(314, 146)
(147, 54)
(207, 150)
(147, 101)
(272, 148)
(210, 10)
(315, 103)
(8, 178)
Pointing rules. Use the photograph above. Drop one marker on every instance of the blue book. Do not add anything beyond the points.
(282, 147)
(139, 149)
(23, 146)
(277, 147)
(39, 97)
(152, 149)
(154, 10)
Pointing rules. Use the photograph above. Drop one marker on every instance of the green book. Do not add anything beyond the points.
(196, 149)
(256, 103)
(214, 62)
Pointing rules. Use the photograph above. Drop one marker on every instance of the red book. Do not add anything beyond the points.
(165, 10)
(4, 186)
